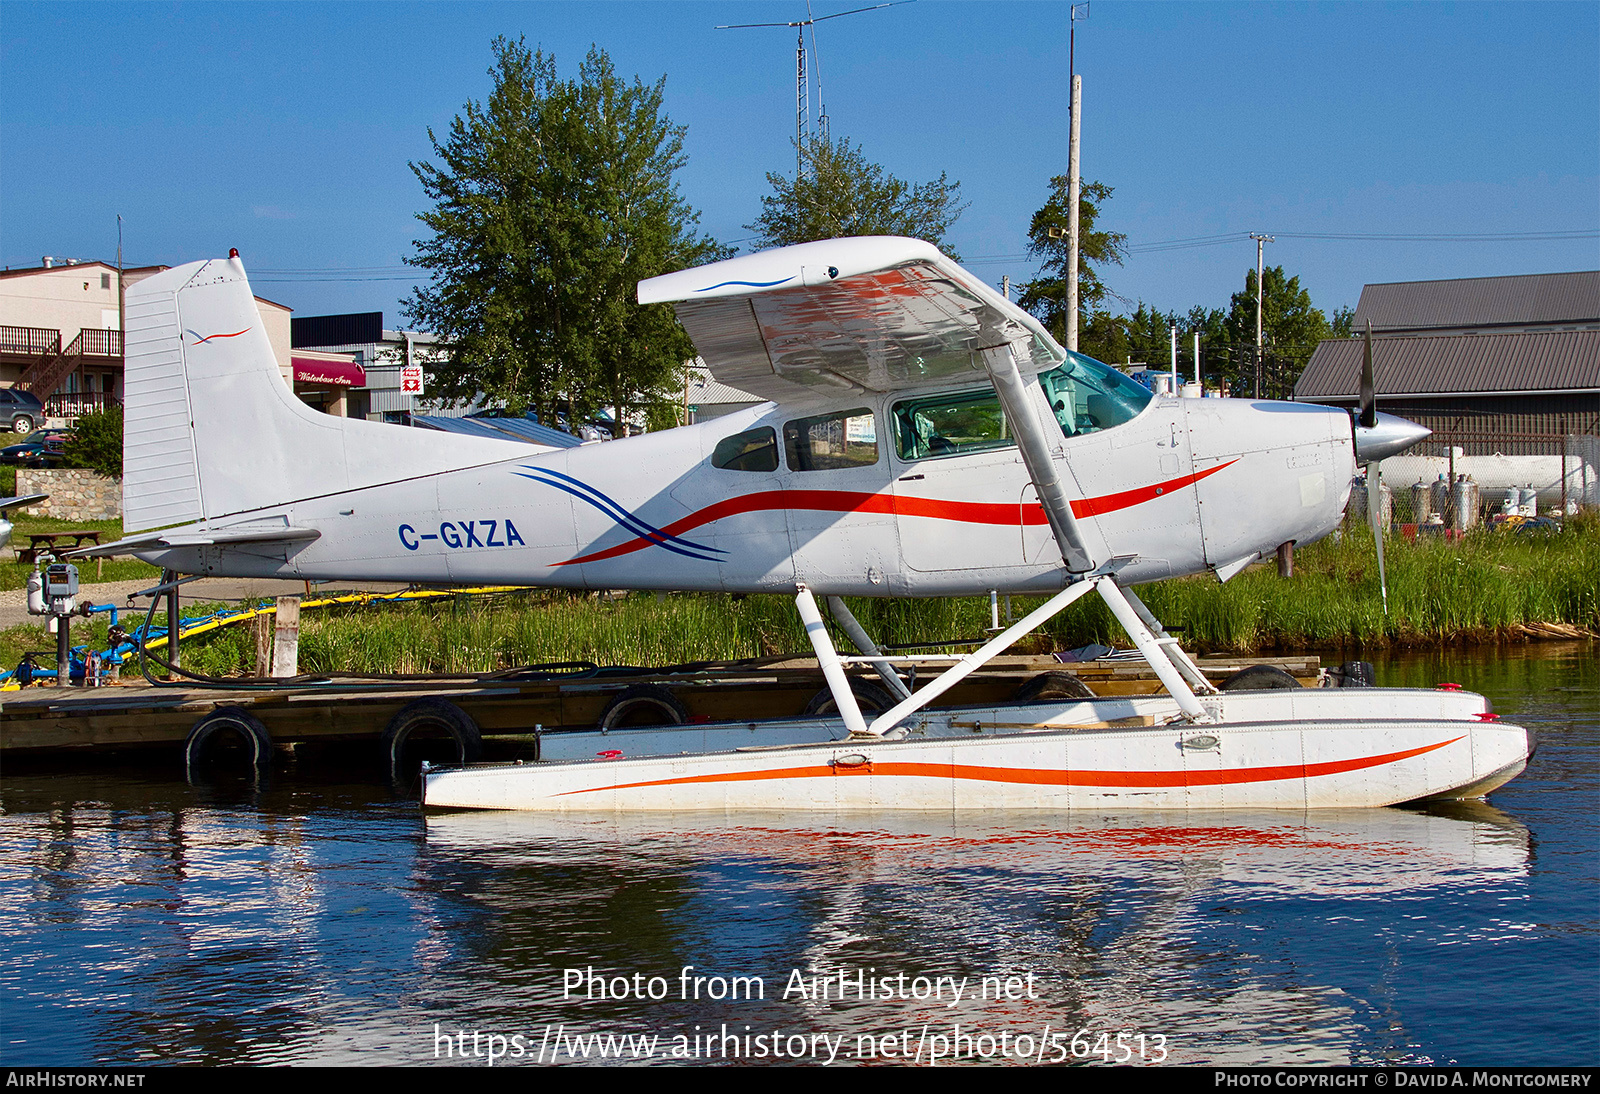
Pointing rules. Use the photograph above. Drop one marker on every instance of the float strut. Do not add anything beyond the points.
(974, 661)
(864, 643)
(1154, 652)
(1169, 645)
(832, 667)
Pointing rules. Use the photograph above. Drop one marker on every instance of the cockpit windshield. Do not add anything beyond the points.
(1088, 396)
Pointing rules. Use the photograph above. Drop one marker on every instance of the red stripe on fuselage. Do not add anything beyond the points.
(1046, 776)
(854, 501)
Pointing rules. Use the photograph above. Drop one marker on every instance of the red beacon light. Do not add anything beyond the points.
(233, 252)
(1447, 687)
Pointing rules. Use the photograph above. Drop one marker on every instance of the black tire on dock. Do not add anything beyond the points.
(1356, 674)
(869, 697)
(643, 705)
(200, 744)
(1258, 678)
(427, 715)
(1055, 684)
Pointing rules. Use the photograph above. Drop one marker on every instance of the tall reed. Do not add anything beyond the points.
(1474, 589)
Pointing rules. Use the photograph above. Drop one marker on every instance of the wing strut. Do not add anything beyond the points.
(1034, 445)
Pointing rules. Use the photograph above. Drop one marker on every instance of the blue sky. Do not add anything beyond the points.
(285, 129)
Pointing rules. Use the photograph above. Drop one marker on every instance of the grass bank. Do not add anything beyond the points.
(14, 574)
(1483, 588)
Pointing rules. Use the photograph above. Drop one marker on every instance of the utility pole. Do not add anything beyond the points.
(1074, 179)
(1174, 360)
(122, 302)
(1260, 239)
(1005, 286)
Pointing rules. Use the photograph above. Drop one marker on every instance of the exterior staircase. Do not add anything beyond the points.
(46, 374)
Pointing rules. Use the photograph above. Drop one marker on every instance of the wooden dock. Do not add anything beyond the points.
(502, 711)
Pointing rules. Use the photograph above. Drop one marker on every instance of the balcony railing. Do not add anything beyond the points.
(33, 341)
(100, 343)
(71, 404)
(43, 342)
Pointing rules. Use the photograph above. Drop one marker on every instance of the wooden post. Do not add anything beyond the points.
(261, 629)
(1286, 559)
(286, 638)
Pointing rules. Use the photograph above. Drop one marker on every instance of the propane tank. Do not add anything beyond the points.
(1530, 501)
(36, 604)
(1464, 502)
(1421, 502)
(1356, 510)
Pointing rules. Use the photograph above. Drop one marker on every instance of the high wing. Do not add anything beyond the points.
(878, 314)
(872, 313)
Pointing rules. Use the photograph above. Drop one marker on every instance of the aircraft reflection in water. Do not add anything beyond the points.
(1119, 920)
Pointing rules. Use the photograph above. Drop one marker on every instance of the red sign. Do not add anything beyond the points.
(411, 380)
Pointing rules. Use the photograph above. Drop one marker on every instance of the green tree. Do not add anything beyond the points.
(1290, 325)
(552, 199)
(1048, 239)
(96, 442)
(840, 194)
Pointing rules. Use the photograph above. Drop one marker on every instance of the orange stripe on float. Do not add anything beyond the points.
(1031, 776)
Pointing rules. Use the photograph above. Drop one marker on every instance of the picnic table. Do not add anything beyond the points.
(56, 542)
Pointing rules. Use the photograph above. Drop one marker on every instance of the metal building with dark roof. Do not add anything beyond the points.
(1492, 364)
(1558, 301)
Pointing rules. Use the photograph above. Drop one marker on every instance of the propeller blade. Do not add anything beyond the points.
(1369, 392)
(1375, 519)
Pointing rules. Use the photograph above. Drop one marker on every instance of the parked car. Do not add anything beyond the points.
(41, 448)
(20, 410)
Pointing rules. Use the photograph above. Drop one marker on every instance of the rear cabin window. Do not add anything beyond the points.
(752, 450)
(831, 441)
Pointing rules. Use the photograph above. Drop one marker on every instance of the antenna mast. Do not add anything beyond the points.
(802, 89)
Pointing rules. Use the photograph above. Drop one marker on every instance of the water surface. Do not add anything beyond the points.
(324, 920)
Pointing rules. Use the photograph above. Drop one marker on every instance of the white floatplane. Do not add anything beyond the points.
(925, 437)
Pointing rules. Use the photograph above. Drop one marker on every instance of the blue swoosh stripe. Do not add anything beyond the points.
(750, 284)
(584, 492)
(618, 513)
(666, 546)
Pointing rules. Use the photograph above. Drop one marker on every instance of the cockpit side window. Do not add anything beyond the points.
(950, 425)
(1087, 396)
(752, 450)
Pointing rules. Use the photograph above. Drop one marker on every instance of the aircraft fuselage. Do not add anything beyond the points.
(851, 498)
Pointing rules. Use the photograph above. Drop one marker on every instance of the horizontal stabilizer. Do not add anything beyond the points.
(8, 504)
(198, 537)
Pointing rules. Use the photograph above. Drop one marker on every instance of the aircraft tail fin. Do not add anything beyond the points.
(211, 429)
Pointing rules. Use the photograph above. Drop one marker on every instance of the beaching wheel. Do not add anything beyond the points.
(643, 705)
(1258, 678)
(208, 741)
(1055, 684)
(430, 718)
(869, 697)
